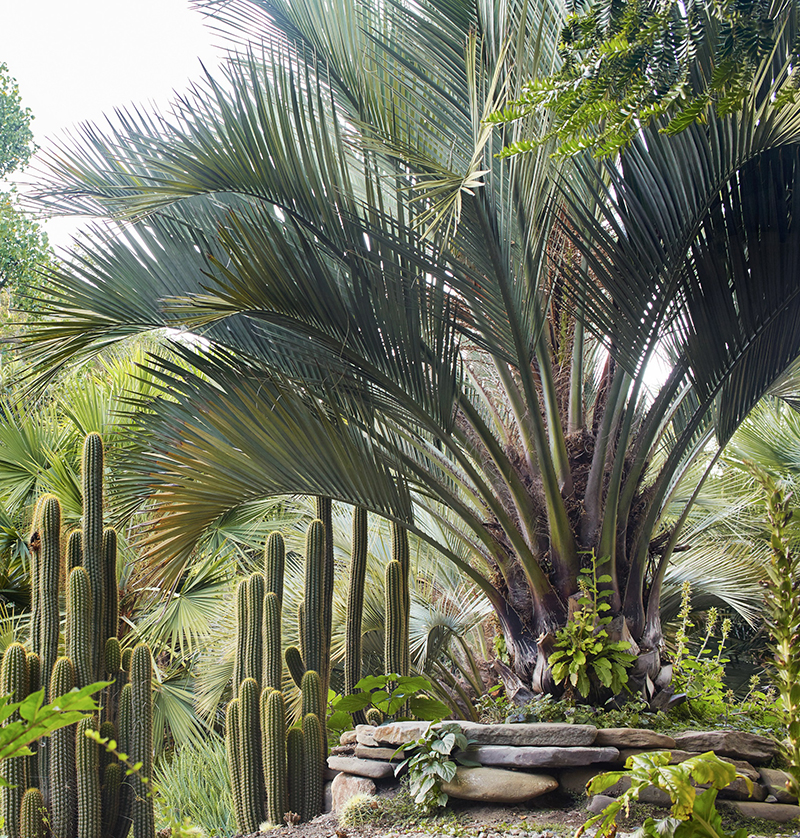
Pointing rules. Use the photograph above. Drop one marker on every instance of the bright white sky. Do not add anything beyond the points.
(76, 60)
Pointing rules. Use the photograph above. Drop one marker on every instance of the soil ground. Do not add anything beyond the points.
(552, 816)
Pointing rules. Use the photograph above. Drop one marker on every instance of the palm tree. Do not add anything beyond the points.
(373, 307)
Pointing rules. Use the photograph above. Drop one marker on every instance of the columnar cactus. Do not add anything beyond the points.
(241, 634)
(273, 660)
(296, 771)
(79, 635)
(275, 564)
(325, 514)
(294, 663)
(124, 724)
(111, 600)
(233, 747)
(63, 782)
(49, 565)
(400, 553)
(74, 550)
(394, 619)
(311, 693)
(251, 772)
(314, 648)
(14, 683)
(92, 542)
(110, 796)
(254, 648)
(32, 815)
(141, 740)
(273, 748)
(88, 763)
(355, 607)
(314, 763)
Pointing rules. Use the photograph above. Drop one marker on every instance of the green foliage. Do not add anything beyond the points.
(16, 137)
(433, 760)
(625, 65)
(782, 619)
(195, 783)
(584, 653)
(692, 815)
(388, 694)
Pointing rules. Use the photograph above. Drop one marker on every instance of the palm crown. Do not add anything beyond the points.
(374, 307)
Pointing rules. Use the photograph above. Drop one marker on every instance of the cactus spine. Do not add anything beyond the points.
(87, 762)
(355, 608)
(141, 740)
(273, 662)
(63, 781)
(92, 542)
(251, 771)
(14, 683)
(32, 815)
(275, 564)
(314, 763)
(273, 747)
(394, 619)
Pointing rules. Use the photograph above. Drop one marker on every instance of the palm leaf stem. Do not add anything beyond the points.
(558, 445)
(575, 418)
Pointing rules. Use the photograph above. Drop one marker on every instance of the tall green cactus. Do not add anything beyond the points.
(111, 598)
(325, 514)
(394, 619)
(124, 724)
(32, 815)
(314, 764)
(296, 771)
(110, 796)
(79, 636)
(92, 543)
(49, 565)
(240, 655)
(233, 747)
(62, 779)
(254, 639)
(273, 749)
(273, 660)
(141, 740)
(74, 550)
(355, 608)
(294, 663)
(314, 647)
(14, 683)
(251, 772)
(275, 565)
(311, 693)
(401, 553)
(87, 759)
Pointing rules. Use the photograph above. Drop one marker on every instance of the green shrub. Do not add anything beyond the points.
(195, 783)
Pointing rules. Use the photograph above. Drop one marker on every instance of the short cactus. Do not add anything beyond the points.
(394, 619)
(311, 692)
(401, 554)
(32, 819)
(110, 796)
(233, 747)
(374, 716)
(296, 771)
(251, 771)
(314, 763)
(79, 625)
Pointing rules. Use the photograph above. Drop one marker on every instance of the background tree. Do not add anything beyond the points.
(380, 310)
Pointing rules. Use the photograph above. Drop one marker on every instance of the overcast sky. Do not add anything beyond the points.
(75, 60)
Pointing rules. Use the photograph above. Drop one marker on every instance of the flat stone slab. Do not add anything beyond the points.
(496, 785)
(365, 735)
(675, 755)
(775, 781)
(526, 756)
(729, 743)
(348, 738)
(623, 737)
(399, 733)
(385, 754)
(540, 735)
(372, 768)
(778, 812)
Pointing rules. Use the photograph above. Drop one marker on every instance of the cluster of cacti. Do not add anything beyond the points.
(71, 787)
(272, 771)
(275, 771)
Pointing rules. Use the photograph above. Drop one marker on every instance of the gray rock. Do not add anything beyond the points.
(675, 755)
(623, 737)
(387, 754)
(327, 798)
(775, 781)
(738, 790)
(398, 733)
(729, 743)
(496, 785)
(542, 734)
(365, 735)
(574, 780)
(655, 796)
(778, 812)
(346, 786)
(598, 802)
(348, 738)
(361, 767)
(530, 757)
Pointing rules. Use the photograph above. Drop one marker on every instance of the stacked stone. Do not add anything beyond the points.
(521, 761)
